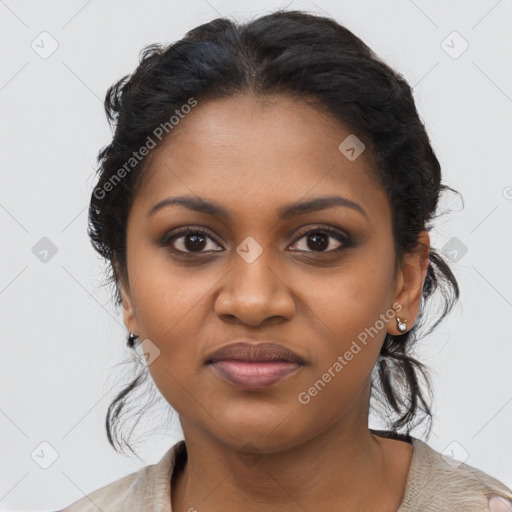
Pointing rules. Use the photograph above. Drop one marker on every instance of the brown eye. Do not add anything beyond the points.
(322, 240)
(190, 241)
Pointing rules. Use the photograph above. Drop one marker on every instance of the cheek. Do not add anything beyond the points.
(348, 303)
(352, 312)
(350, 336)
(166, 296)
(172, 307)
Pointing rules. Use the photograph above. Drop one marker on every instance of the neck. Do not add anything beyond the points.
(333, 469)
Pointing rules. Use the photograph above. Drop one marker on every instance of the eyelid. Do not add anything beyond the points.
(324, 228)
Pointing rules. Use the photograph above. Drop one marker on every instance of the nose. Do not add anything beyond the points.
(255, 292)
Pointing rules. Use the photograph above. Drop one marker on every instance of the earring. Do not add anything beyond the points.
(131, 339)
(402, 326)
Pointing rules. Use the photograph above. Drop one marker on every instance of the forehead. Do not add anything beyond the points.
(259, 151)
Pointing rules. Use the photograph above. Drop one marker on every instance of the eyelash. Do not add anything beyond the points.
(169, 238)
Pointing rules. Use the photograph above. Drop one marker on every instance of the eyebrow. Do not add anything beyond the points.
(285, 212)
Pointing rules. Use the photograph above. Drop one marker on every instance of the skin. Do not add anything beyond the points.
(263, 449)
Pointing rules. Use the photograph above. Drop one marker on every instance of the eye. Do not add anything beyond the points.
(189, 240)
(319, 239)
(194, 240)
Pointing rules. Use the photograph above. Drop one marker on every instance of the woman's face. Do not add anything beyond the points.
(260, 275)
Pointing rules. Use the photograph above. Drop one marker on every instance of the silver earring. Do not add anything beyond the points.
(131, 339)
(402, 326)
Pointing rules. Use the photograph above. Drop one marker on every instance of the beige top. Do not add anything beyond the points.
(434, 484)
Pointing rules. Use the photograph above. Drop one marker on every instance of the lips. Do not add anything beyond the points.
(253, 366)
(250, 352)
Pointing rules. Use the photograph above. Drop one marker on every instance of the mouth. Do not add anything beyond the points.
(253, 366)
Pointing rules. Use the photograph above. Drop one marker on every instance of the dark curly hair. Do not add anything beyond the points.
(306, 56)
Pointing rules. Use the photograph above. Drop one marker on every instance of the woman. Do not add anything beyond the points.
(265, 206)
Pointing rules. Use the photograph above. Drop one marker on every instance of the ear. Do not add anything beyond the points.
(129, 318)
(409, 283)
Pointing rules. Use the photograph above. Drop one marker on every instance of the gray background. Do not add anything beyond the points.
(63, 341)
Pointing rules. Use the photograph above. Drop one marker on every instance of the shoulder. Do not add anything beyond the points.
(145, 489)
(439, 483)
(112, 495)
